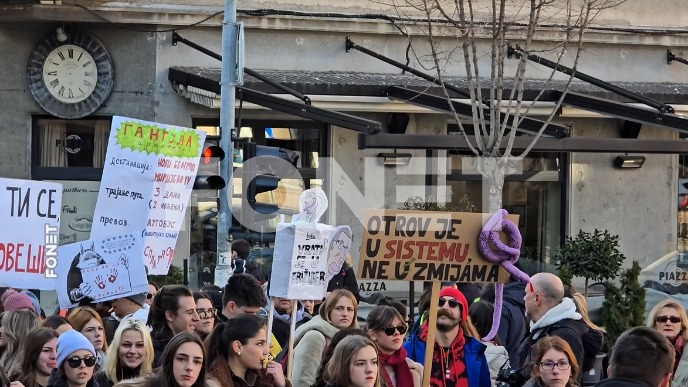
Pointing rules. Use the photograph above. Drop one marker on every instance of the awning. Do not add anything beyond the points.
(206, 91)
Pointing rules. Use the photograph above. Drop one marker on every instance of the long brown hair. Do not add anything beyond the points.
(337, 369)
(35, 340)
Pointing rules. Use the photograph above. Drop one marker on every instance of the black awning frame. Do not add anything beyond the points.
(543, 144)
(672, 57)
(280, 104)
(305, 110)
(463, 109)
(532, 125)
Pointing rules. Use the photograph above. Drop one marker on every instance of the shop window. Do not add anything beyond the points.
(308, 139)
(72, 143)
(535, 194)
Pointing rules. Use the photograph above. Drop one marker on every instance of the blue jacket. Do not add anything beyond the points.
(474, 356)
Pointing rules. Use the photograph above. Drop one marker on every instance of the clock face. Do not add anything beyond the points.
(70, 79)
(70, 74)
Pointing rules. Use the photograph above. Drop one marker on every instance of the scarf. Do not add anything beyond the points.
(402, 372)
(679, 345)
(447, 359)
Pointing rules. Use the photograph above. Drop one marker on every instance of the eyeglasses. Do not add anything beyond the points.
(663, 319)
(389, 331)
(75, 362)
(206, 313)
(549, 366)
(451, 302)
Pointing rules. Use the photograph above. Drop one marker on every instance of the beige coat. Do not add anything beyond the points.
(310, 341)
(416, 372)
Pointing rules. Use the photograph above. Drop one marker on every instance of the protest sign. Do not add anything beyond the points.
(312, 253)
(101, 269)
(29, 233)
(150, 169)
(425, 246)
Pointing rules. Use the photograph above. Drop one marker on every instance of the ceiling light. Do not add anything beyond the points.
(395, 158)
(629, 161)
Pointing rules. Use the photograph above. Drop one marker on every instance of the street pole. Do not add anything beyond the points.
(227, 93)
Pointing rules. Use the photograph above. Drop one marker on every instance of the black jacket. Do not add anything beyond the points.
(124, 373)
(345, 279)
(160, 341)
(55, 382)
(621, 382)
(513, 326)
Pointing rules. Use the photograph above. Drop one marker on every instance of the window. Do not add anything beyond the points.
(69, 149)
(308, 139)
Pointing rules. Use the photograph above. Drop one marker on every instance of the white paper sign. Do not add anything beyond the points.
(29, 233)
(150, 169)
(100, 269)
(312, 253)
(78, 204)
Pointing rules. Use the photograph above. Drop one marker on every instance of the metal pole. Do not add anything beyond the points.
(227, 94)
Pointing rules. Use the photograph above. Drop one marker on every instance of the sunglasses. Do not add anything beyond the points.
(75, 362)
(663, 319)
(389, 331)
(451, 302)
(205, 313)
(149, 296)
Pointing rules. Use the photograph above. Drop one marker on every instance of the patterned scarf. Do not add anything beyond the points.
(402, 372)
(447, 359)
(679, 346)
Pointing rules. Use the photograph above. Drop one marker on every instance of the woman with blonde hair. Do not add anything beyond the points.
(88, 322)
(130, 355)
(592, 340)
(387, 328)
(339, 311)
(553, 364)
(669, 318)
(16, 326)
(354, 363)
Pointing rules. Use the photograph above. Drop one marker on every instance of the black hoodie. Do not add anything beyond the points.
(513, 327)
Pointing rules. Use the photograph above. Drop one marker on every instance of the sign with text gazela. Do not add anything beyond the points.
(426, 246)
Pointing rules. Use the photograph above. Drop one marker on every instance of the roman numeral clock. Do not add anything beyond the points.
(70, 79)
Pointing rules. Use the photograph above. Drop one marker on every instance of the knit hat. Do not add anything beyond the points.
(34, 299)
(458, 296)
(18, 301)
(70, 342)
(7, 293)
(138, 298)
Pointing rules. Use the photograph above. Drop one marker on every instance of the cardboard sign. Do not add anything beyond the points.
(425, 246)
(149, 173)
(101, 269)
(29, 233)
(78, 205)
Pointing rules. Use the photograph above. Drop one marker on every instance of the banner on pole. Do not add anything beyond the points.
(150, 169)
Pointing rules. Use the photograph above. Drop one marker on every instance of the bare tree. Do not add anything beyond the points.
(468, 33)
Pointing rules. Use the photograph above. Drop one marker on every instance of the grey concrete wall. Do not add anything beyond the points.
(639, 205)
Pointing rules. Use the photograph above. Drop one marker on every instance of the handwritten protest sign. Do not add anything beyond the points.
(425, 246)
(311, 253)
(101, 269)
(149, 173)
(76, 212)
(29, 233)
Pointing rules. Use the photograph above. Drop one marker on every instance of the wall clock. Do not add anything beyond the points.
(70, 79)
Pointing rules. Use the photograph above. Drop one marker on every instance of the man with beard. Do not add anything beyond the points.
(551, 314)
(458, 360)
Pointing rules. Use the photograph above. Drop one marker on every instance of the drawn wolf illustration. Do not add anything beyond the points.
(88, 258)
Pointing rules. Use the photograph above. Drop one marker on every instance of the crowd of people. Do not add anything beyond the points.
(218, 337)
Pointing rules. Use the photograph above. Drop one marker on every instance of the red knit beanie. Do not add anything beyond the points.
(458, 296)
(18, 301)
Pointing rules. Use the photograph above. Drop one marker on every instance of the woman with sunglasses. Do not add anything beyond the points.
(130, 354)
(206, 314)
(553, 364)
(669, 318)
(386, 327)
(88, 322)
(182, 364)
(38, 359)
(76, 359)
